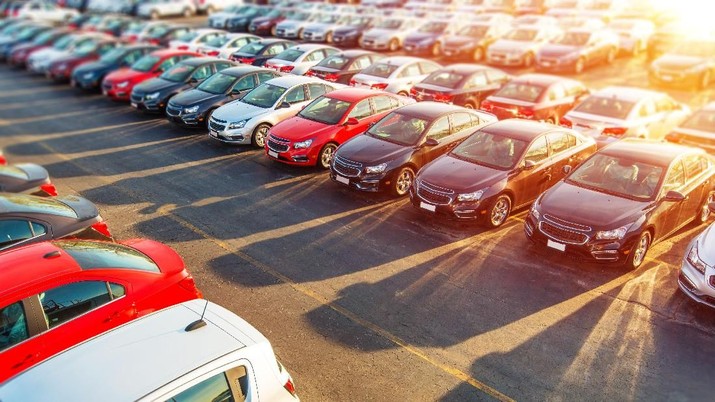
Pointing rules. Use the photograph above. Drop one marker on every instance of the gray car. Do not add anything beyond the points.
(26, 178)
(697, 272)
(389, 34)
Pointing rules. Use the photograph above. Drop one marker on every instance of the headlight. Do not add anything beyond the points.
(613, 234)
(475, 196)
(535, 212)
(303, 144)
(694, 259)
(236, 124)
(123, 84)
(153, 96)
(88, 76)
(376, 169)
(192, 109)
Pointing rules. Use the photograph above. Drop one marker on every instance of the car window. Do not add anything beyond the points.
(384, 103)
(575, 90)
(665, 104)
(316, 90)
(215, 388)
(675, 178)
(275, 49)
(439, 129)
(245, 83)
(476, 80)
(647, 108)
(495, 76)
(361, 110)
(360, 63)
(63, 303)
(16, 230)
(13, 325)
(560, 141)
(316, 55)
(131, 57)
(105, 48)
(411, 70)
(295, 95)
(693, 166)
(101, 255)
(265, 76)
(538, 151)
(222, 66)
(461, 121)
(428, 68)
(202, 72)
(168, 63)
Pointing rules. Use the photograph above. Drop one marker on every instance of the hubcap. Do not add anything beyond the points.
(327, 156)
(478, 55)
(261, 136)
(500, 211)
(404, 182)
(639, 253)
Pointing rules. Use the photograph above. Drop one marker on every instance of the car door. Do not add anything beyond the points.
(15, 231)
(20, 343)
(696, 188)
(562, 152)
(296, 97)
(364, 113)
(529, 182)
(666, 215)
(235, 381)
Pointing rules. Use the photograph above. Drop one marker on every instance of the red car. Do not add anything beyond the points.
(61, 69)
(57, 294)
(18, 56)
(118, 85)
(312, 136)
(3, 161)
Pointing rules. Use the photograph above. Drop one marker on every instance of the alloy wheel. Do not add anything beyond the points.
(500, 211)
(403, 181)
(326, 156)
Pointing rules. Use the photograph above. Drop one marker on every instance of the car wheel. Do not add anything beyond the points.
(704, 80)
(300, 33)
(639, 250)
(529, 60)
(703, 214)
(499, 212)
(611, 57)
(326, 155)
(154, 15)
(478, 54)
(403, 181)
(553, 120)
(329, 37)
(208, 117)
(393, 45)
(273, 30)
(470, 105)
(578, 67)
(258, 138)
(436, 49)
(187, 13)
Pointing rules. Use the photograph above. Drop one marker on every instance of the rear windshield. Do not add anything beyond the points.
(13, 172)
(382, 70)
(606, 106)
(29, 204)
(100, 255)
(446, 79)
(289, 55)
(520, 91)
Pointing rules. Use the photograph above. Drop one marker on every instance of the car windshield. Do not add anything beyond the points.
(352, 20)
(43, 38)
(273, 14)
(252, 48)
(64, 42)
(446, 79)
(336, 61)
(606, 106)
(27, 33)
(146, 63)
(188, 37)
(696, 49)
(289, 54)
(523, 35)
(574, 39)
(399, 128)
(520, 91)
(178, 73)
(103, 255)
(299, 16)
(113, 55)
(490, 149)
(85, 48)
(28, 204)
(325, 110)
(217, 41)
(264, 95)
(703, 120)
(135, 27)
(618, 175)
(217, 83)
(474, 31)
(433, 27)
(390, 23)
(382, 70)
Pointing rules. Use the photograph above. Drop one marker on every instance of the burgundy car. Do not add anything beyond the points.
(61, 69)
(460, 84)
(535, 97)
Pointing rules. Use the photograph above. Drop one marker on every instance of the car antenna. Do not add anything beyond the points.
(198, 323)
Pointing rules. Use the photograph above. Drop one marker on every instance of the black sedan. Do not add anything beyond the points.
(26, 219)
(689, 64)
(501, 167)
(26, 178)
(341, 67)
(623, 199)
(256, 53)
(461, 84)
(349, 35)
(153, 95)
(90, 75)
(388, 155)
(196, 105)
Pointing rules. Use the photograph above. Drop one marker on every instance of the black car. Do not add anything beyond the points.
(342, 66)
(388, 155)
(256, 53)
(153, 95)
(26, 178)
(349, 35)
(424, 41)
(90, 75)
(165, 34)
(193, 108)
(689, 64)
(240, 22)
(461, 84)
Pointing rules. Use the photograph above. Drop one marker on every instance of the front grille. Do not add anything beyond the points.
(278, 144)
(562, 235)
(346, 167)
(434, 194)
(566, 224)
(214, 125)
(136, 98)
(280, 32)
(173, 111)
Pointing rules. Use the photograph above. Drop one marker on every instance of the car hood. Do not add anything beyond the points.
(289, 24)
(379, 33)
(156, 84)
(297, 128)
(552, 50)
(70, 58)
(317, 26)
(458, 41)
(49, 54)
(510, 45)
(370, 150)
(126, 74)
(346, 30)
(705, 241)
(607, 211)
(460, 175)
(194, 96)
(236, 111)
(94, 66)
(261, 20)
(82, 206)
(677, 62)
(417, 37)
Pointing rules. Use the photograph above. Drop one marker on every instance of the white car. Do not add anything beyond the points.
(633, 33)
(300, 58)
(520, 45)
(156, 9)
(397, 74)
(697, 272)
(292, 27)
(224, 45)
(188, 350)
(247, 120)
(210, 6)
(45, 11)
(322, 29)
(196, 37)
(389, 33)
(40, 61)
(618, 112)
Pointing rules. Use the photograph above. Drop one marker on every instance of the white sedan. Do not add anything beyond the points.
(223, 46)
(397, 74)
(196, 37)
(300, 58)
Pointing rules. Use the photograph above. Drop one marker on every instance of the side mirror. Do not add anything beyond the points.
(528, 165)
(283, 105)
(711, 207)
(675, 196)
(566, 169)
(351, 121)
(431, 142)
(193, 80)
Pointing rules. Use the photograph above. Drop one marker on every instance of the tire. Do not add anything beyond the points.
(326, 155)
(329, 37)
(393, 45)
(258, 139)
(187, 13)
(470, 105)
(300, 33)
(403, 181)
(704, 80)
(273, 31)
(579, 66)
(612, 54)
(640, 249)
(703, 214)
(499, 211)
(529, 60)
(436, 49)
(403, 93)
(553, 120)
(478, 54)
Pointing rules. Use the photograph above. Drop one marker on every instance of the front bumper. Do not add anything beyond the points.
(218, 132)
(139, 102)
(556, 65)
(419, 48)
(59, 75)
(260, 29)
(117, 94)
(346, 40)
(84, 83)
(310, 36)
(191, 120)
(372, 44)
(505, 59)
(282, 150)
(457, 52)
(699, 287)
(287, 33)
(441, 205)
(673, 78)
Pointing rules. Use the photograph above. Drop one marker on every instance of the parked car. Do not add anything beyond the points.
(425, 40)
(192, 40)
(396, 74)
(256, 53)
(118, 84)
(349, 34)
(388, 34)
(292, 28)
(154, 94)
(197, 330)
(192, 108)
(44, 11)
(618, 112)
(321, 29)
(240, 22)
(211, 6)
(155, 9)
(60, 69)
(388, 154)
(311, 137)
(633, 34)
(266, 24)
(40, 61)
(114, 24)
(536, 97)
(299, 58)
(341, 67)
(20, 53)
(697, 130)
(581, 22)
(19, 38)
(224, 46)
(163, 35)
(59, 294)
(691, 63)
(3, 160)
(27, 178)
(247, 121)
(696, 271)
(138, 29)
(501, 167)
(520, 45)
(578, 49)
(471, 41)
(622, 200)
(460, 84)
(90, 75)
(219, 20)
(666, 37)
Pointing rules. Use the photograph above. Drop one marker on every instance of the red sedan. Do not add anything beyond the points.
(313, 135)
(57, 294)
(118, 85)
(61, 69)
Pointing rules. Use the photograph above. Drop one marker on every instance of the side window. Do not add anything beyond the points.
(361, 110)
(439, 129)
(295, 95)
(647, 108)
(202, 72)
(428, 68)
(105, 48)
(411, 70)
(316, 55)
(556, 92)
(560, 141)
(538, 151)
(214, 388)
(222, 66)
(693, 166)
(275, 49)
(664, 105)
(16, 230)
(360, 63)
(316, 90)
(675, 178)
(133, 56)
(461, 121)
(477, 80)
(383, 103)
(265, 76)
(168, 63)
(66, 302)
(13, 325)
(245, 83)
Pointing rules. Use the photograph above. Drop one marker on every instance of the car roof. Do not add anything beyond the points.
(466, 68)
(354, 94)
(649, 151)
(270, 41)
(121, 371)
(401, 60)
(289, 80)
(24, 266)
(541, 79)
(197, 61)
(242, 70)
(169, 52)
(429, 110)
(306, 47)
(521, 129)
(631, 94)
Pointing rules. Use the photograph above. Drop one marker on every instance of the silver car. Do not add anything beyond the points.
(300, 58)
(322, 30)
(389, 34)
(247, 121)
(520, 45)
(292, 28)
(633, 34)
(223, 46)
(156, 9)
(395, 74)
(697, 272)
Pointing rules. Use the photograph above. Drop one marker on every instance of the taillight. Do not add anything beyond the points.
(213, 53)
(673, 137)
(486, 106)
(352, 83)
(525, 112)
(50, 189)
(246, 60)
(3, 161)
(310, 73)
(183, 47)
(413, 92)
(615, 131)
(189, 284)
(290, 387)
(286, 69)
(443, 98)
(101, 227)
(565, 122)
(154, 41)
(331, 77)
(379, 85)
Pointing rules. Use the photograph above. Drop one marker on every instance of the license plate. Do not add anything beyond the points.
(556, 245)
(134, 105)
(408, 48)
(273, 154)
(427, 206)
(341, 179)
(213, 133)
